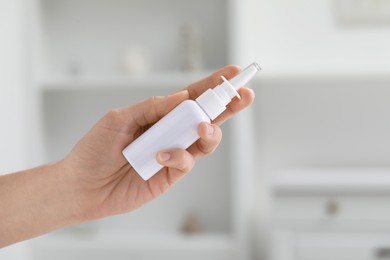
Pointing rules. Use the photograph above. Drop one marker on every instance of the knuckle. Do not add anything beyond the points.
(185, 162)
(156, 99)
(216, 78)
(154, 103)
(207, 148)
(114, 114)
(219, 134)
(164, 187)
(233, 69)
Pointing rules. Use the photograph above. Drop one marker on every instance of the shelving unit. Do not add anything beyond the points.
(79, 58)
(94, 37)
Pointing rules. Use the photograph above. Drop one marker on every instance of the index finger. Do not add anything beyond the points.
(197, 88)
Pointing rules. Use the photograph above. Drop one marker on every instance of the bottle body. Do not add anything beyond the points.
(177, 129)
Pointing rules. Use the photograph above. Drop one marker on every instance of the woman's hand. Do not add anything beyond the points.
(106, 182)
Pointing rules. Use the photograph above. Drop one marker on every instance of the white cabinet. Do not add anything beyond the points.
(332, 218)
(322, 165)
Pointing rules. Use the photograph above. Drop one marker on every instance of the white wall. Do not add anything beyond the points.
(12, 96)
(304, 37)
(12, 80)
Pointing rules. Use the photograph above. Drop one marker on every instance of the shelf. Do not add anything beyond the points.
(158, 80)
(112, 240)
(115, 246)
(338, 181)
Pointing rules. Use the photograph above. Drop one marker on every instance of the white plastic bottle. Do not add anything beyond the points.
(178, 129)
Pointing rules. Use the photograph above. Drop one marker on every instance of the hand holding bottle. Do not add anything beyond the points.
(108, 183)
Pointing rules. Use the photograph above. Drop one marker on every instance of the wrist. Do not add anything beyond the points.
(73, 200)
(85, 195)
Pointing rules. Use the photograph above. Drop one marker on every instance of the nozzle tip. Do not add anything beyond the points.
(256, 66)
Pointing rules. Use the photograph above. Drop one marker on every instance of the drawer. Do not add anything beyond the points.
(354, 208)
(342, 246)
(331, 246)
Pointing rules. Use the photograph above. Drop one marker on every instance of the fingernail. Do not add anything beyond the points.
(210, 129)
(164, 156)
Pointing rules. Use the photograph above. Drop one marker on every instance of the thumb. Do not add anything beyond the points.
(179, 159)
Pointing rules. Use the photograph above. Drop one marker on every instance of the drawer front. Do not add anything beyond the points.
(331, 246)
(332, 208)
(342, 246)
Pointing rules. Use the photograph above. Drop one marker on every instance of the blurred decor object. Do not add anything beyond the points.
(192, 53)
(383, 253)
(137, 61)
(362, 12)
(191, 224)
(332, 208)
(75, 69)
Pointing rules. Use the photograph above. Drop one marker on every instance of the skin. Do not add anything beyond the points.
(95, 180)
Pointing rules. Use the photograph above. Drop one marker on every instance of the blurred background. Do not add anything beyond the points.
(303, 174)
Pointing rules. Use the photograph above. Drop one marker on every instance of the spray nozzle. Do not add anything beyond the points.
(243, 78)
(214, 101)
(230, 88)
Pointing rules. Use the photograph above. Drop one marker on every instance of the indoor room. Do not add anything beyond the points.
(302, 173)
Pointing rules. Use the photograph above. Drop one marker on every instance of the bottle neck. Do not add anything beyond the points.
(214, 101)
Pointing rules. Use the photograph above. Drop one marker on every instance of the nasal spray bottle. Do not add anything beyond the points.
(178, 129)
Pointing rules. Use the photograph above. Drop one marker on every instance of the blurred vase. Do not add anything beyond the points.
(191, 224)
(192, 52)
(137, 61)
